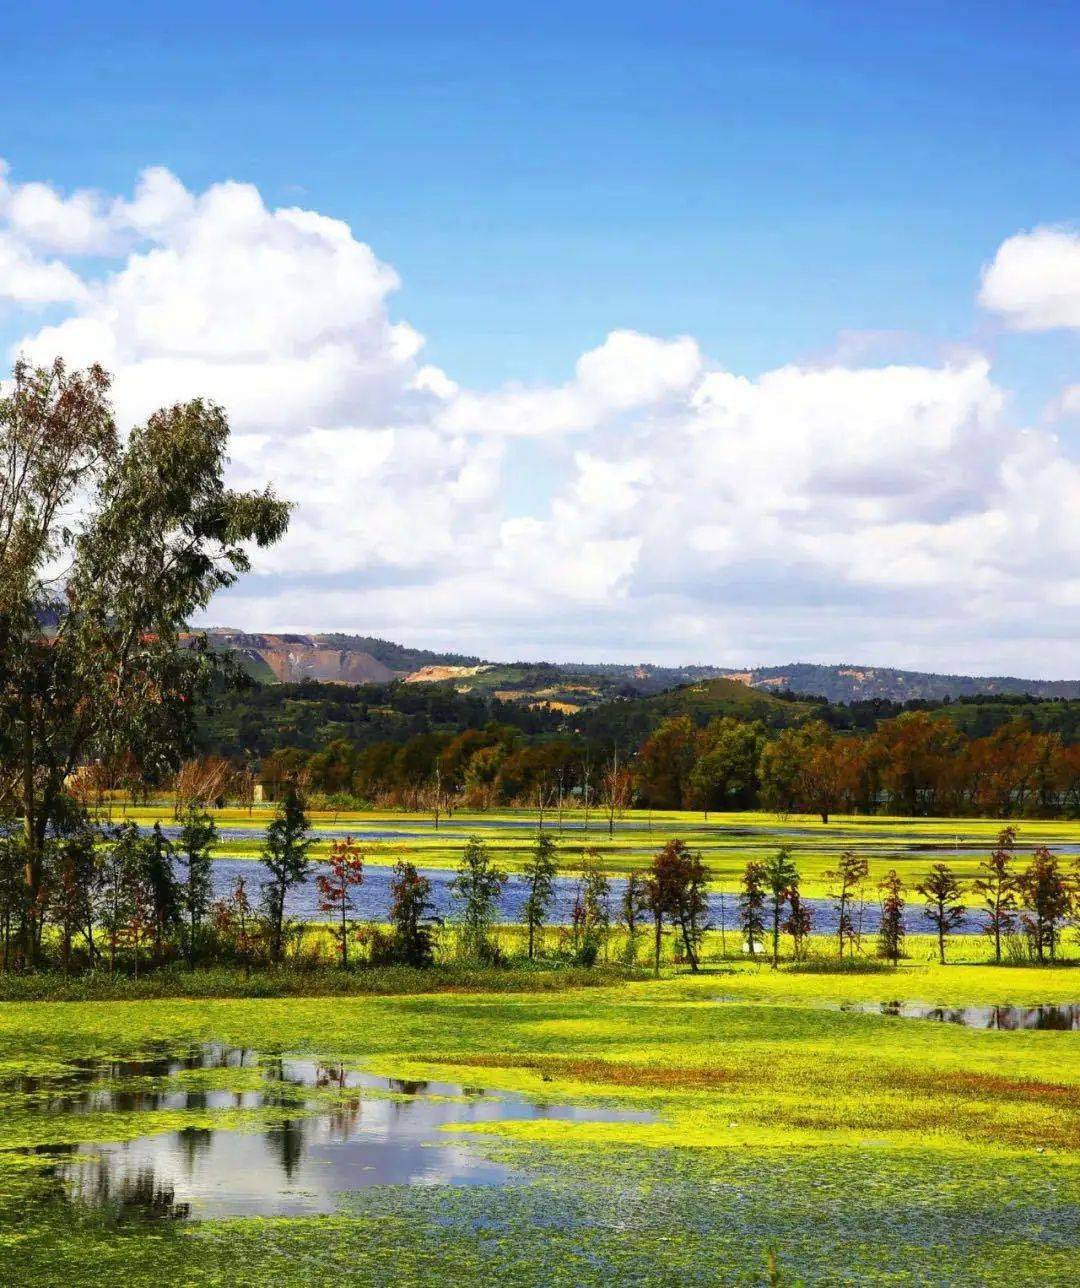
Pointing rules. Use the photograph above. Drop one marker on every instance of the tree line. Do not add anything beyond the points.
(917, 763)
(1024, 911)
(119, 898)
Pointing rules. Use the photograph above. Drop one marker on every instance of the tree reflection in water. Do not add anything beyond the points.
(326, 1130)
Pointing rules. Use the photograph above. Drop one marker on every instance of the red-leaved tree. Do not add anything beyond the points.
(346, 865)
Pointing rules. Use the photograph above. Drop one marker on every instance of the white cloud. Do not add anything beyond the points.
(663, 506)
(280, 315)
(39, 215)
(627, 371)
(1067, 403)
(28, 279)
(1034, 280)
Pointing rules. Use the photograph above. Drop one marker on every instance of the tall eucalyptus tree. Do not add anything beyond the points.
(108, 545)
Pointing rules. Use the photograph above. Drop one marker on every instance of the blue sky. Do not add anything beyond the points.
(762, 176)
(787, 183)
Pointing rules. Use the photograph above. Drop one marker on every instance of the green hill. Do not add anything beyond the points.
(631, 719)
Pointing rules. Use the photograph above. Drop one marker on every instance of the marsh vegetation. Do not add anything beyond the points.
(458, 1043)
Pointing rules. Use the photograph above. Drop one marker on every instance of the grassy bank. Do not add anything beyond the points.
(291, 981)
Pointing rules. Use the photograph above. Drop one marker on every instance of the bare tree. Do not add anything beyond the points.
(204, 781)
(617, 786)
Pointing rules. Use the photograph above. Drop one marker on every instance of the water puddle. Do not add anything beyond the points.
(1006, 1018)
(332, 1130)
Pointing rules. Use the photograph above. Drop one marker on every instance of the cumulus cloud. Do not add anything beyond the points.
(627, 371)
(27, 278)
(672, 508)
(1034, 280)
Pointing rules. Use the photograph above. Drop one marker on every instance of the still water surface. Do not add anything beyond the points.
(333, 1130)
(1062, 1018)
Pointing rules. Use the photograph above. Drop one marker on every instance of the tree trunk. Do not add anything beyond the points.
(659, 930)
(691, 955)
(33, 866)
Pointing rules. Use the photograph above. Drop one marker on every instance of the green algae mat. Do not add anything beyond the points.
(678, 1132)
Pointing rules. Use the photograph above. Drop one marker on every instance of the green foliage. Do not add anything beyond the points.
(891, 932)
(725, 774)
(94, 671)
(117, 878)
(752, 905)
(632, 719)
(539, 873)
(591, 912)
(848, 881)
(781, 877)
(1049, 897)
(633, 909)
(678, 882)
(942, 892)
(996, 886)
(285, 854)
(198, 835)
(411, 910)
(476, 890)
(309, 716)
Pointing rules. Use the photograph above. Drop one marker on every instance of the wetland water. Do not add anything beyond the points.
(371, 900)
(1060, 1018)
(318, 1132)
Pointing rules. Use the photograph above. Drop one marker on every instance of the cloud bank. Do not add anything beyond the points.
(653, 505)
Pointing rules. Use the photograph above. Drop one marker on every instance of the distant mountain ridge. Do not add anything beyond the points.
(366, 659)
(844, 682)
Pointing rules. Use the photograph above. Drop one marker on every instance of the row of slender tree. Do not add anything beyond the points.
(116, 894)
(1030, 905)
(121, 895)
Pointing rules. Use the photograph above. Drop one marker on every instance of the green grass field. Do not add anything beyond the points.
(726, 841)
(858, 1148)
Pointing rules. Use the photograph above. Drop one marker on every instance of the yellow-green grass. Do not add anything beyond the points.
(726, 841)
(861, 1148)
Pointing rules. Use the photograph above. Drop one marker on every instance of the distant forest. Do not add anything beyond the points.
(714, 745)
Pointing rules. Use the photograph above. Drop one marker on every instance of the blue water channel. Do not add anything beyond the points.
(371, 900)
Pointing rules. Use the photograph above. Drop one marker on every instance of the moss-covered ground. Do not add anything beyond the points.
(856, 1147)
